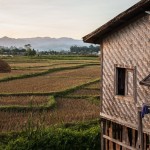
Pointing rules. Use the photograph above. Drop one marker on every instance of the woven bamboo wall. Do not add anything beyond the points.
(127, 47)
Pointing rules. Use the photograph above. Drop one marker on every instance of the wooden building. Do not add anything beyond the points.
(125, 78)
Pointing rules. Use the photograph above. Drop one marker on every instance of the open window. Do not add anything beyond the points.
(120, 84)
(124, 81)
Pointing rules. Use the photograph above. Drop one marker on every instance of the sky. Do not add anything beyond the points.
(57, 18)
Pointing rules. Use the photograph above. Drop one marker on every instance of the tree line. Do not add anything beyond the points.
(85, 50)
(27, 50)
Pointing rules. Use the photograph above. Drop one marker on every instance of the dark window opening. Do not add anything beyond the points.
(130, 136)
(120, 81)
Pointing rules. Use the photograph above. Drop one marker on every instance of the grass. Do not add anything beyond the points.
(51, 103)
(49, 83)
(41, 73)
(68, 109)
(83, 135)
(65, 121)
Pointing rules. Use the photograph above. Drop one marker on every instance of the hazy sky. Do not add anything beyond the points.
(57, 18)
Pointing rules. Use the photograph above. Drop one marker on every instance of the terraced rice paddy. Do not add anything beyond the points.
(23, 100)
(52, 82)
(19, 95)
(68, 110)
(85, 92)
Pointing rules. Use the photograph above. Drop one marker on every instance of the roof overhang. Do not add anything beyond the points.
(138, 9)
(146, 81)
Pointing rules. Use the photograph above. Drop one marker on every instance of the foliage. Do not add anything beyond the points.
(29, 50)
(80, 136)
(84, 50)
(12, 50)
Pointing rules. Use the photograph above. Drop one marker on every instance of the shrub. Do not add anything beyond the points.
(57, 139)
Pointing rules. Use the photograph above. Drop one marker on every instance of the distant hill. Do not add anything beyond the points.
(43, 43)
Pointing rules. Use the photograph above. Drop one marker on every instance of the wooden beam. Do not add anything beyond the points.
(102, 132)
(135, 84)
(140, 145)
(119, 143)
(121, 122)
(125, 138)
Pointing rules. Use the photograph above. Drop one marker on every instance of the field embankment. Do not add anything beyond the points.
(43, 101)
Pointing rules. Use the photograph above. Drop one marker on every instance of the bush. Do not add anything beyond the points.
(57, 139)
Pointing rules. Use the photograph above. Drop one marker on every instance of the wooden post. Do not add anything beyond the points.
(140, 132)
(110, 135)
(133, 137)
(125, 139)
(135, 84)
(102, 132)
(106, 133)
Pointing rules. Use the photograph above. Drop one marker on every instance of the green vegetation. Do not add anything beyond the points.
(82, 136)
(84, 50)
(49, 105)
(59, 118)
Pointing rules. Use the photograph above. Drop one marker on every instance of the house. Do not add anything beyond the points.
(125, 79)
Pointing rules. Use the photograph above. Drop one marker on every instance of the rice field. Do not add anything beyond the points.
(23, 100)
(20, 69)
(73, 106)
(85, 92)
(52, 82)
(68, 110)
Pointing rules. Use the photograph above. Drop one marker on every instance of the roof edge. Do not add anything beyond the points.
(97, 35)
(144, 81)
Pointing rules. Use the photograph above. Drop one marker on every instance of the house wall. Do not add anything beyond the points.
(128, 47)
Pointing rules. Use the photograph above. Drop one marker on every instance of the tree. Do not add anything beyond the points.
(29, 50)
(84, 50)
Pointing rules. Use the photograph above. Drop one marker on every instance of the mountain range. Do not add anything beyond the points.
(43, 43)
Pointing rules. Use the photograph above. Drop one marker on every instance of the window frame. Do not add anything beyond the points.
(127, 69)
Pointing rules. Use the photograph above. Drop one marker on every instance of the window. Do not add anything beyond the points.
(124, 81)
(121, 76)
(130, 83)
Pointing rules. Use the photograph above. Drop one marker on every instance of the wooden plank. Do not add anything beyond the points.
(121, 122)
(117, 147)
(102, 132)
(133, 137)
(125, 139)
(101, 76)
(119, 143)
(135, 84)
(106, 132)
(144, 140)
(140, 132)
(110, 135)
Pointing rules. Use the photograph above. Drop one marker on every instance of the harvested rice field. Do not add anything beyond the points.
(18, 72)
(23, 100)
(85, 92)
(40, 84)
(28, 65)
(68, 110)
(51, 82)
(93, 86)
(86, 72)
(32, 70)
(73, 93)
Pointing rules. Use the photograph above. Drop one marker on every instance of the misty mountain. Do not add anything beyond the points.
(42, 43)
